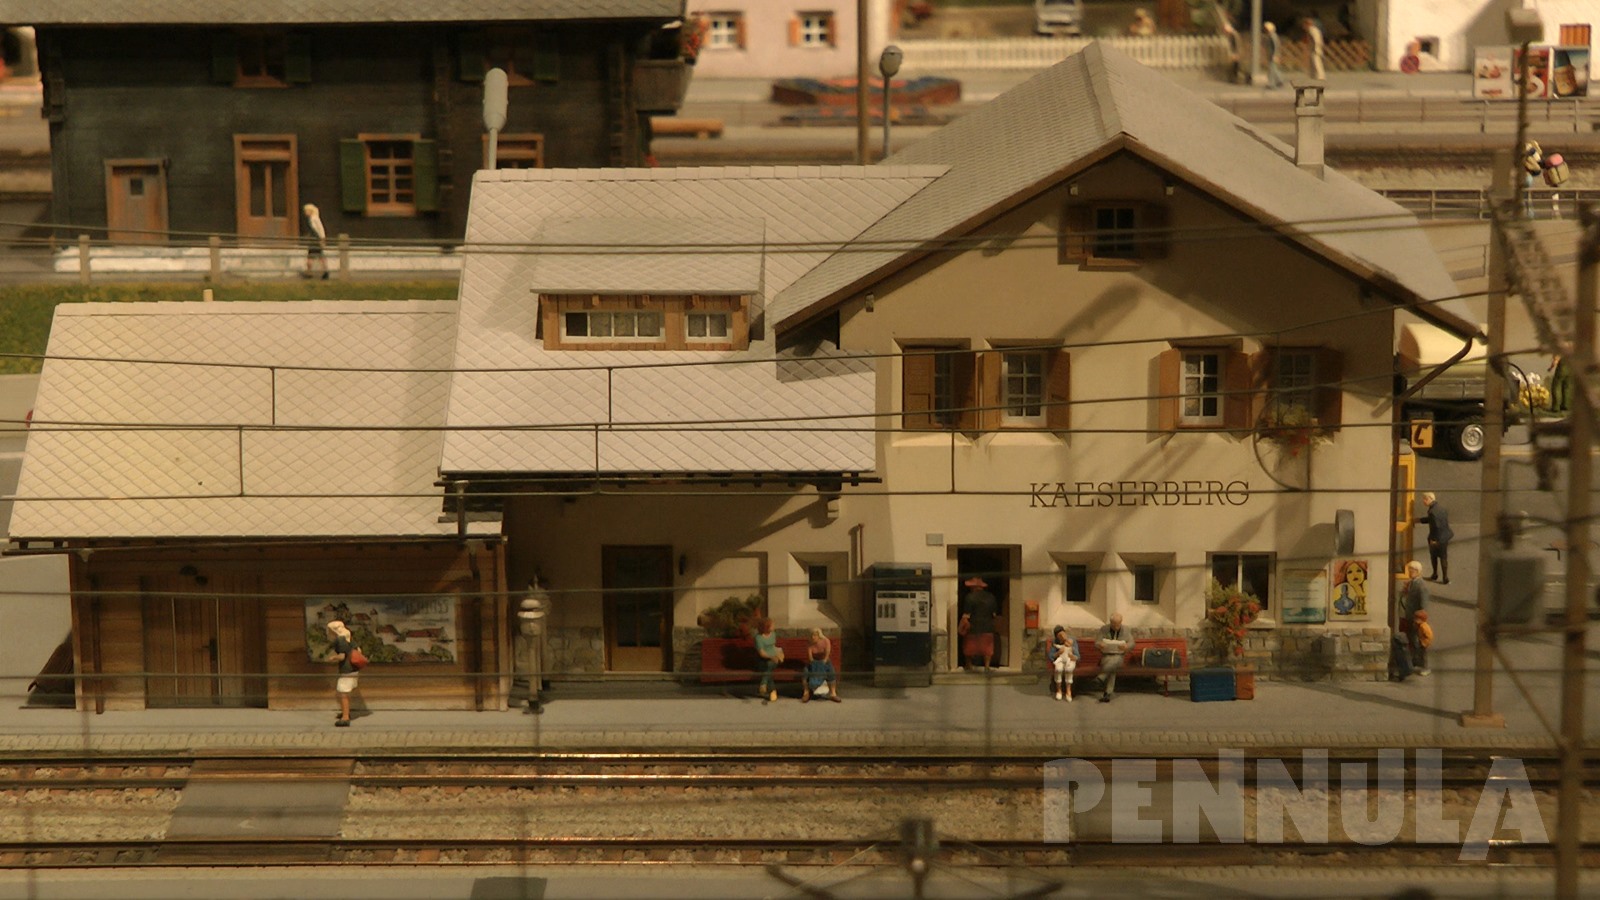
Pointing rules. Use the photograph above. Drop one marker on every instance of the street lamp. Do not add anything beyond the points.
(888, 64)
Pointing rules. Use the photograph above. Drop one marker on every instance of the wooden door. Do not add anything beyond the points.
(638, 607)
(266, 195)
(205, 644)
(136, 201)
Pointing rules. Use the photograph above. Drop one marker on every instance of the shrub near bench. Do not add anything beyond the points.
(724, 660)
(1133, 660)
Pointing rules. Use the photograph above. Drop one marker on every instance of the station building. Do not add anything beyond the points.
(1096, 342)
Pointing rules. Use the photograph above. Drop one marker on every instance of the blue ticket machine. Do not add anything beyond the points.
(902, 634)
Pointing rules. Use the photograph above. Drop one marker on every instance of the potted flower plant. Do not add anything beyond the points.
(1229, 612)
(1292, 428)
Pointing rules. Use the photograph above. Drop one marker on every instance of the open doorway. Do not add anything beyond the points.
(997, 566)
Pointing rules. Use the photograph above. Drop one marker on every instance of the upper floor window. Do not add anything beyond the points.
(643, 322)
(1200, 392)
(1115, 233)
(525, 55)
(1203, 387)
(812, 29)
(725, 31)
(388, 175)
(954, 389)
(1303, 385)
(516, 151)
(260, 59)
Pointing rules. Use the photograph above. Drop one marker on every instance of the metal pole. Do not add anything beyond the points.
(861, 82)
(886, 80)
(1522, 139)
(1580, 475)
(1255, 42)
(1490, 502)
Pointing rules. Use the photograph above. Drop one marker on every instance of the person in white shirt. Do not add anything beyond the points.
(1113, 643)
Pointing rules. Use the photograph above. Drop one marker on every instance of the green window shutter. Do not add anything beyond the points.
(546, 59)
(224, 57)
(297, 58)
(472, 55)
(352, 176)
(425, 164)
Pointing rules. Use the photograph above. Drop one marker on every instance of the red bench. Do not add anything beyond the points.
(1133, 660)
(725, 660)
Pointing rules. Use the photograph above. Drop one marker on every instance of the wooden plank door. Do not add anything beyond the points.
(136, 201)
(266, 195)
(205, 644)
(637, 582)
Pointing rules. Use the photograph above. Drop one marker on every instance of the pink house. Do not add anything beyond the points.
(785, 38)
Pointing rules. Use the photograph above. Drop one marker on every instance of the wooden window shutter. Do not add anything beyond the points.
(1263, 379)
(546, 59)
(472, 55)
(1236, 390)
(832, 25)
(916, 391)
(1168, 364)
(1330, 388)
(989, 364)
(224, 57)
(794, 32)
(1155, 241)
(352, 176)
(964, 388)
(425, 165)
(297, 58)
(1058, 391)
(1075, 228)
(741, 34)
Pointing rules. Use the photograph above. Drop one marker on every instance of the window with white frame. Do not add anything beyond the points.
(1200, 388)
(707, 326)
(612, 325)
(724, 31)
(1250, 572)
(1022, 387)
(1295, 381)
(816, 29)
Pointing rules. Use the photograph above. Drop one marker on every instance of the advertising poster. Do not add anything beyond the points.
(1348, 589)
(1569, 72)
(1491, 73)
(1305, 596)
(387, 629)
(1538, 86)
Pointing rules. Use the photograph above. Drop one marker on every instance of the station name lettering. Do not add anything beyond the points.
(1056, 494)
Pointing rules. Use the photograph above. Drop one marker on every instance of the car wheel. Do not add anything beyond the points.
(1467, 439)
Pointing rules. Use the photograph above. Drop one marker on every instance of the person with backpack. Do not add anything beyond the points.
(347, 655)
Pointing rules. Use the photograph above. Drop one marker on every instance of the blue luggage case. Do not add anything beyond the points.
(1206, 685)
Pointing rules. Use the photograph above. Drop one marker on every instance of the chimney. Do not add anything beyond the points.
(1308, 126)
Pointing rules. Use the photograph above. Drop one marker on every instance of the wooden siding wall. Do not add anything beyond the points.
(108, 622)
(148, 92)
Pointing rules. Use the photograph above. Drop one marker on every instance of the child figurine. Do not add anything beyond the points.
(1063, 651)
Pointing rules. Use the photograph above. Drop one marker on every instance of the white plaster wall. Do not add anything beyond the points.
(35, 616)
(1462, 25)
(767, 53)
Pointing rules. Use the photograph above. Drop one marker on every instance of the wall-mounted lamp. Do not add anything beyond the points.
(683, 563)
(871, 299)
(1073, 189)
(832, 508)
(1170, 188)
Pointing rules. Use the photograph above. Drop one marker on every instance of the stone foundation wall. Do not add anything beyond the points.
(575, 650)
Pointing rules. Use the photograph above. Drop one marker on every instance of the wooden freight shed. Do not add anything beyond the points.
(226, 116)
(228, 477)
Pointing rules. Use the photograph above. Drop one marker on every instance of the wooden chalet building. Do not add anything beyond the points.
(193, 117)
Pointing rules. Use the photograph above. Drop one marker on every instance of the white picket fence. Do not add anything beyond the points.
(1159, 52)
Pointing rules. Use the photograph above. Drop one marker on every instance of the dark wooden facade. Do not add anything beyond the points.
(182, 104)
(226, 626)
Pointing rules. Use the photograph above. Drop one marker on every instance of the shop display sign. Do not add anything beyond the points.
(1555, 72)
(388, 629)
(1349, 591)
(1304, 594)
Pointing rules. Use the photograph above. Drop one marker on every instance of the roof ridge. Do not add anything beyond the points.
(1098, 75)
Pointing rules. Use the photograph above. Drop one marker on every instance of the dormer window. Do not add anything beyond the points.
(644, 321)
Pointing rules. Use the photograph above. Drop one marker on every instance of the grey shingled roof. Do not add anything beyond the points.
(666, 256)
(528, 409)
(1099, 100)
(123, 448)
(325, 12)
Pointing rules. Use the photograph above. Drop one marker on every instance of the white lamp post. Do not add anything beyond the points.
(888, 64)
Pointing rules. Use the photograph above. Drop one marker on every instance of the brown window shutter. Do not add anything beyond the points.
(1263, 369)
(1075, 227)
(1168, 365)
(1330, 388)
(1155, 240)
(965, 376)
(1058, 391)
(1237, 392)
(794, 32)
(987, 395)
(916, 388)
(741, 34)
(833, 31)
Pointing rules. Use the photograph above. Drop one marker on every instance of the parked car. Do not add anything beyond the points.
(1053, 17)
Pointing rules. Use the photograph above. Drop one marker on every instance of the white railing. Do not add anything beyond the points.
(1159, 52)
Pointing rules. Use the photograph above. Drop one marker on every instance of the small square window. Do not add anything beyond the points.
(816, 29)
(1075, 582)
(722, 31)
(1114, 232)
(1144, 583)
(707, 326)
(1250, 572)
(817, 581)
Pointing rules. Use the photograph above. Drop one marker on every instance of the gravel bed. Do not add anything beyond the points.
(61, 814)
(770, 813)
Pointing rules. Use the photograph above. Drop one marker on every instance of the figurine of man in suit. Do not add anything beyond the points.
(1439, 536)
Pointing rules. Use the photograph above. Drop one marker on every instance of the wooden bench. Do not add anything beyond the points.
(1133, 660)
(724, 660)
(671, 126)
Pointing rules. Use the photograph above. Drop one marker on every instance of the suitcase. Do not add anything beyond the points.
(1207, 685)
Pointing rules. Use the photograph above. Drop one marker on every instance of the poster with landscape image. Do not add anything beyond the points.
(387, 629)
